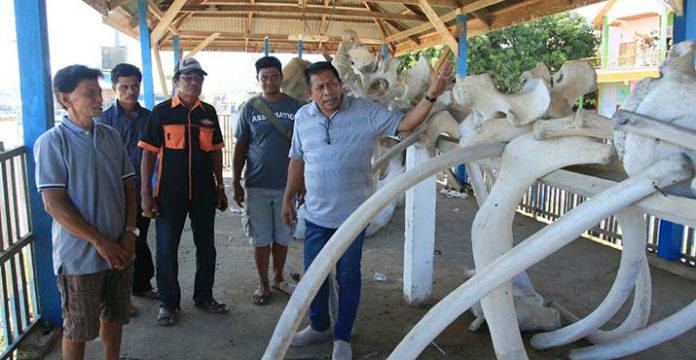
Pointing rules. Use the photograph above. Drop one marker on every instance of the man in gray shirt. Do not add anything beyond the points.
(87, 186)
(262, 144)
(331, 149)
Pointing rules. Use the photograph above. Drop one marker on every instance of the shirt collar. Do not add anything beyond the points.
(176, 102)
(74, 127)
(346, 101)
(118, 109)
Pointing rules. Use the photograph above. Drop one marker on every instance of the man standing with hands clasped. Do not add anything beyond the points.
(331, 150)
(183, 133)
(86, 183)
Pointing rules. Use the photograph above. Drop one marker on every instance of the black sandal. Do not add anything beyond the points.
(213, 306)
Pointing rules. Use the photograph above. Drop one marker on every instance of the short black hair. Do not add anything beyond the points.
(316, 68)
(267, 62)
(125, 70)
(68, 78)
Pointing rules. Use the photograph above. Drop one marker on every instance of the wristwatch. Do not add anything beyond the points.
(430, 99)
(134, 230)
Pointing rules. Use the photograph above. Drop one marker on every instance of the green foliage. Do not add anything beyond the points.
(508, 52)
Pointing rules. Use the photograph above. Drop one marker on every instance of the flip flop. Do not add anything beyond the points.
(259, 297)
(283, 287)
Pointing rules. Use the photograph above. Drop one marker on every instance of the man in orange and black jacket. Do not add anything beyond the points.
(183, 136)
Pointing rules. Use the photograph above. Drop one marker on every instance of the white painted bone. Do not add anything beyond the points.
(479, 92)
(678, 108)
(655, 334)
(342, 238)
(293, 79)
(540, 245)
(574, 79)
(491, 233)
(632, 260)
(581, 123)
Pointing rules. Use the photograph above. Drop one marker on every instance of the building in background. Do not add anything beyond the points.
(636, 36)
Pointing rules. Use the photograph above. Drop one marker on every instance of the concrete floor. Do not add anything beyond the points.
(577, 277)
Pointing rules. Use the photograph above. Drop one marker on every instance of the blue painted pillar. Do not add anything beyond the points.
(385, 51)
(671, 235)
(299, 48)
(266, 46)
(176, 45)
(685, 26)
(146, 53)
(37, 117)
(462, 70)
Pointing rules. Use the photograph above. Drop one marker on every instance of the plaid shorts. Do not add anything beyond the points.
(87, 298)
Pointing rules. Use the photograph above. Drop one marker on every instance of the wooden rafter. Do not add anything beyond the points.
(154, 10)
(310, 10)
(166, 20)
(434, 3)
(380, 25)
(203, 44)
(160, 71)
(440, 26)
(115, 4)
(477, 5)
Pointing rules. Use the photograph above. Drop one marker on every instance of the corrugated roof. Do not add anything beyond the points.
(246, 22)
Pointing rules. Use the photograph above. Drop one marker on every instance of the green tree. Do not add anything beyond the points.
(507, 52)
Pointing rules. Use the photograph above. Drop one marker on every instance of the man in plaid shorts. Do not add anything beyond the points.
(87, 186)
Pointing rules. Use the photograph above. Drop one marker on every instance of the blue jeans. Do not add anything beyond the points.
(347, 276)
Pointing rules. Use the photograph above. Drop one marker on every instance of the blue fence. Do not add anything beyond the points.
(19, 310)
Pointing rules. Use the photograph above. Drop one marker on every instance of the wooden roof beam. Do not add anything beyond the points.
(469, 8)
(154, 10)
(289, 9)
(166, 20)
(381, 26)
(440, 26)
(115, 4)
(203, 44)
(434, 3)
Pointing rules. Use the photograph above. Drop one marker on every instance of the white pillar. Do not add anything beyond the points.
(419, 234)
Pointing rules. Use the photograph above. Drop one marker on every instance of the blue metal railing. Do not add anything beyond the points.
(18, 292)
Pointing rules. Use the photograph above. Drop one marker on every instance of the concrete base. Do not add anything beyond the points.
(577, 277)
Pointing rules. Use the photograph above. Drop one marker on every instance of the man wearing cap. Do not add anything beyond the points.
(183, 134)
(129, 119)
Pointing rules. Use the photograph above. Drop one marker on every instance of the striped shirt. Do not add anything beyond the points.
(337, 153)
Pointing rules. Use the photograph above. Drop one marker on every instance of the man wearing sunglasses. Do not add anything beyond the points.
(183, 135)
(331, 151)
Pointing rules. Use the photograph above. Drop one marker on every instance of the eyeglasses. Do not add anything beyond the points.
(326, 127)
(191, 77)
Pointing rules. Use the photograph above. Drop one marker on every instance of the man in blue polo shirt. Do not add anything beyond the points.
(130, 120)
(332, 147)
(86, 183)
